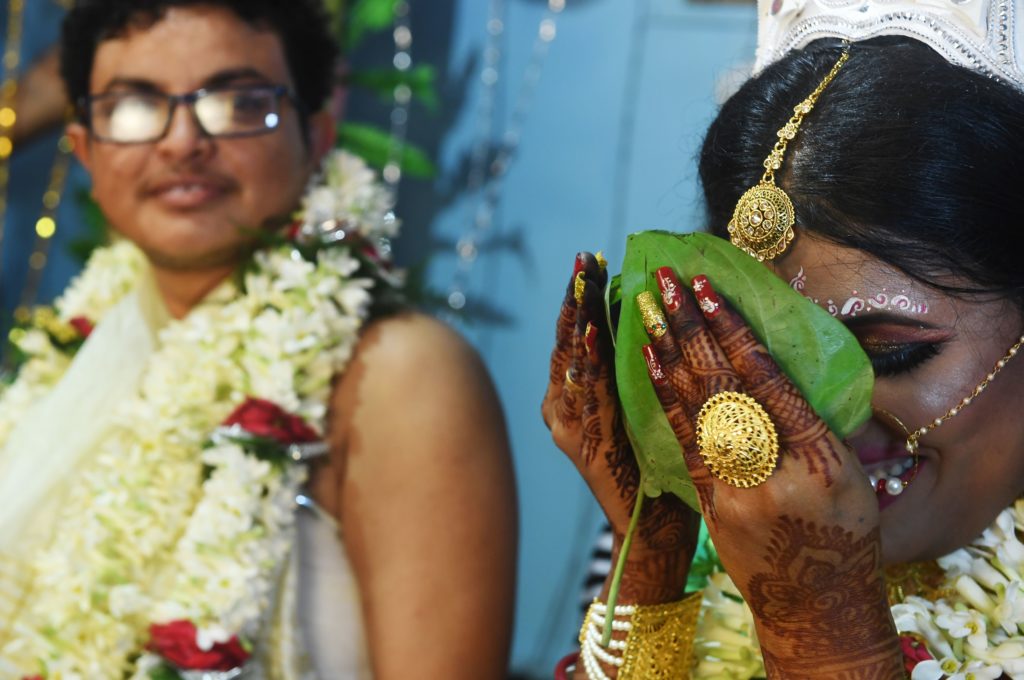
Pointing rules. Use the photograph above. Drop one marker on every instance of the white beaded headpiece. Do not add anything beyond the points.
(983, 35)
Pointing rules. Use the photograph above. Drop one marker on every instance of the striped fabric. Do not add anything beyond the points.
(598, 568)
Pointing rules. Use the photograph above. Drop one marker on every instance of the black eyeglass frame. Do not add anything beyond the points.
(189, 99)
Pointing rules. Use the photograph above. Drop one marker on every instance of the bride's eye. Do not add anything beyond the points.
(890, 360)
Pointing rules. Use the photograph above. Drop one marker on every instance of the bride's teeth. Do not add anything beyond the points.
(896, 469)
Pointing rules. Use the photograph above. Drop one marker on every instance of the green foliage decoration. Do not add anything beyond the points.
(374, 146)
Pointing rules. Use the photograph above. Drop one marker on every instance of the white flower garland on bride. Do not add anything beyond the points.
(168, 548)
(975, 632)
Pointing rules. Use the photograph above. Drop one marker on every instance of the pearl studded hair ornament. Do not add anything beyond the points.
(982, 35)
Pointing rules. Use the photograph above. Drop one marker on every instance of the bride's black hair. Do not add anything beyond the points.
(905, 156)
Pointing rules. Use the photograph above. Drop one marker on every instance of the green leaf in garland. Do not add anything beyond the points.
(374, 146)
(164, 672)
(367, 16)
(421, 81)
(816, 351)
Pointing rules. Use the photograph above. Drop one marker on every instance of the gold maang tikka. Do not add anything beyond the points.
(762, 224)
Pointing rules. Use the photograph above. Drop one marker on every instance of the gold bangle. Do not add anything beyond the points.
(571, 384)
(659, 640)
(660, 644)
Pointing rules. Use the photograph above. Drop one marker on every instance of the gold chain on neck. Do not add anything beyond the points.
(913, 437)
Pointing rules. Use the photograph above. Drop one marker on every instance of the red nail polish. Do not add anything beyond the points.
(671, 291)
(707, 298)
(654, 366)
(590, 338)
(578, 266)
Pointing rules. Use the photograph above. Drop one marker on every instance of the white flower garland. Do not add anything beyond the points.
(158, 528)
(977, 633)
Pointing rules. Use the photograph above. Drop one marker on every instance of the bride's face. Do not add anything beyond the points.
(929, 351)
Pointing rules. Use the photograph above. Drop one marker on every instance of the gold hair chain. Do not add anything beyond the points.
(788, 131)
(762, 223)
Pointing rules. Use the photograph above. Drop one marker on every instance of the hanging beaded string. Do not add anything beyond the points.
(8, 90)
(485, 178)
(914, 437)
(402, 35)
(46, 225)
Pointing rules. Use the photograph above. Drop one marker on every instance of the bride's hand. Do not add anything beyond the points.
(581, 408)
(803, 546)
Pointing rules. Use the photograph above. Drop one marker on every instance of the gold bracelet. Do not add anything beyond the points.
(659, 640)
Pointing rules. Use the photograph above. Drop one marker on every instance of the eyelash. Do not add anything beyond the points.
(901, 359)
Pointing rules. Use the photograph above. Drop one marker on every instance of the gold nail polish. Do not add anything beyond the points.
(601, 261)
(579, 287)
(650, 312)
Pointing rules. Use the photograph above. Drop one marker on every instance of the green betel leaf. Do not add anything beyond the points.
(816, 351)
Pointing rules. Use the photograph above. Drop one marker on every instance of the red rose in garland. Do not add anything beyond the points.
(176, 642)
(82, 325)
(914, 652)
(262, 418)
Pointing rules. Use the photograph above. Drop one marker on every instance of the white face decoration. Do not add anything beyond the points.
(859, 302)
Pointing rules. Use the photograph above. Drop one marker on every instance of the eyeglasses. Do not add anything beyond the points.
(145, 117)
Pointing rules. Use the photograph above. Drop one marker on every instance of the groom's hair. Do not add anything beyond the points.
(302, 25)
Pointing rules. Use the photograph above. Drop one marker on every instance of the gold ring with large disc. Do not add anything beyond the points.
(762, 223)
(737, 439)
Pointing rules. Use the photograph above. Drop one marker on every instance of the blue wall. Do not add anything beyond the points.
(609, 147)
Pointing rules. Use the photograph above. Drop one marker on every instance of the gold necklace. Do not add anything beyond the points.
(46, 225)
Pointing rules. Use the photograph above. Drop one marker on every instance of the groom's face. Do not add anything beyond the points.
(191, 200)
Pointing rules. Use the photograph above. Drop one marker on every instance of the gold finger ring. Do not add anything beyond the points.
(737, 439)
(571, 384)
(579, 287)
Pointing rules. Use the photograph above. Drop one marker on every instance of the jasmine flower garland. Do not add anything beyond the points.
(166, 528)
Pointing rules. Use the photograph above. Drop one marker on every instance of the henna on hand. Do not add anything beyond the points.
(803, 434)
(820, 607)
(798, 546)
(651, 576)
(683, 429)
(588, 425)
